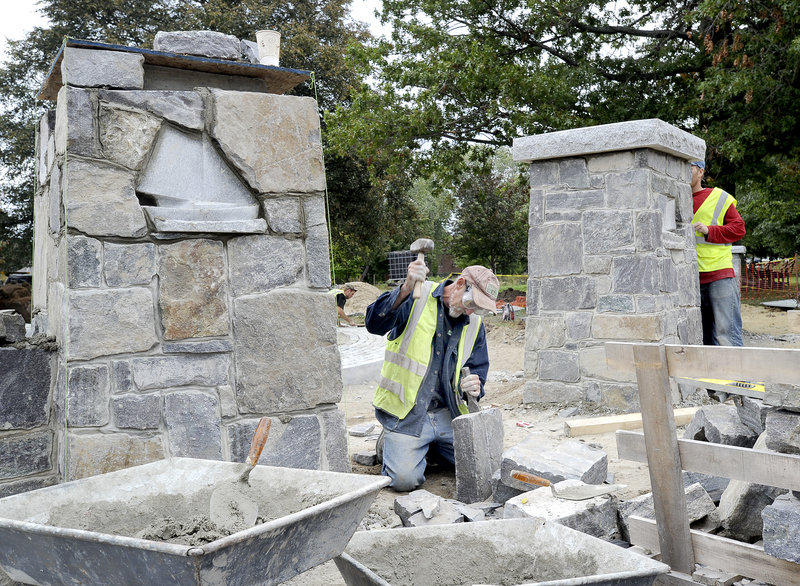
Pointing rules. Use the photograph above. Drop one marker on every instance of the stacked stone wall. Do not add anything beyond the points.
(176, 335)
(611, 256)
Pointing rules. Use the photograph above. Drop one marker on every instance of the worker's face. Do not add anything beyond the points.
(456, 307)
(697, 175)
(349, 293)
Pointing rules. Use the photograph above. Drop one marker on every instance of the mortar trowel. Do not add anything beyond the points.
(232, 509)
(570, 492)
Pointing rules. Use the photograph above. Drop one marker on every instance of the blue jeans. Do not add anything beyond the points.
(404, 455)
(722, 318)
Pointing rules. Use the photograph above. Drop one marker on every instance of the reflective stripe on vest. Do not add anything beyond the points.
(407, 357)
(713, 256)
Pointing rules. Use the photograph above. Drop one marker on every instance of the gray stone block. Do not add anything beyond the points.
(622, 136)
(782, 432)
(163, 372)
(647, 304)
(573, 173)
(502, 492)
(227, 401)
(596, 516)
(96, 317)
(417, 501)
(56, 208)
(551, 392)
(698, 505)
(713, 485)
(536, 207)
(121, 376)
(101, 201)
(198, 347)
(334, 437)
(369, 458)
(314, 211)
(258, 264)
(12, 326)
(720, 424)
(559, 365)
(298, 445)
(283, 215)
(752, 412)
(26, 485)
(478, 445)
(610, 162)
(87, 396)
(607, 230)
(361, 429)
(110, 69)
(742, 502)
(569, 293)
(26, 454)
(782, 395)
(627, 327)
(46, 145)
(543, 173)
(318, 265)
(597, 264)
(250, 51)
(269, 377)
(555, 250)
(74, 107)
(574, 200)
(273, 140)
(578, 323)
(193, 290)
(544, 332)
(193, 425)
(539, 456)
(615, 303)
(137, 411)
(126, 137)
(202, 43)
(635, 274)
(628, 190)
(97, 453)
(125, 265)
(648, 231)
(667, 276)
(83, 261)
(182, 108)
(782, 528)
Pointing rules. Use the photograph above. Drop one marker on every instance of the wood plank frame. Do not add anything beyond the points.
(654, 364)
(592, 425)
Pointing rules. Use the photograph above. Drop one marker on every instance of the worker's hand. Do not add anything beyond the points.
(417, 271)
(700, 227)
(471, 385)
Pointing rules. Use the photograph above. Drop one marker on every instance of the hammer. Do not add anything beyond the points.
(420, 246)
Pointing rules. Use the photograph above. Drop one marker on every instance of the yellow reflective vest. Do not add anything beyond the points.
(712, 256)
(408, 356)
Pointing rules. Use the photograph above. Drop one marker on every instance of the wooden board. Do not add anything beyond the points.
(769, 468)
(768, 365)
(730, 556)
(592, 425)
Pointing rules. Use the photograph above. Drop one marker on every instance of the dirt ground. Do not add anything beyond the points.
(764, 327)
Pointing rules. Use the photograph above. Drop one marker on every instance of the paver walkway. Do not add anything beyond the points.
(362, 354)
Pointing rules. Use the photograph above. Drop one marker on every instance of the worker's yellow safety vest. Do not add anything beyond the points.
(408, 356)
(335, 292)
(712, 256)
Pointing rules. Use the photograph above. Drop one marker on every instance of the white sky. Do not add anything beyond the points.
(17, 17)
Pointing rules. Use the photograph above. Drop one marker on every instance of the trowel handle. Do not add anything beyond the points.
(529, 478)
(259, 440)
(464, 372)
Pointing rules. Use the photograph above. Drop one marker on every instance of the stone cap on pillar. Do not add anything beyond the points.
(623, 136)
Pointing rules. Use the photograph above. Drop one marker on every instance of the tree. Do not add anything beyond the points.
(315, 34)
(456, 74)
(491, 225)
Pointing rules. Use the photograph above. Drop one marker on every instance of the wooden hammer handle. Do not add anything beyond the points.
(529, 478)
(418, 284)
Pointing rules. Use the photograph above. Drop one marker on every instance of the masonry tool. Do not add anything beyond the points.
(231, 507)
(420, 246)
(576, 492)
(472, 403)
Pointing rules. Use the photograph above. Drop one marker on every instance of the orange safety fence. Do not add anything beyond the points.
(774, 279)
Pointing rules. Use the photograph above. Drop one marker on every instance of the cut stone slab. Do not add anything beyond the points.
(782, 528)
(416, 501)
(12, 326)
(361, 430)
(713, 485)
(201, 43)
(784, 396)
(502, 492)
(540, 456)
(752, 412)
(109, 69)
(478, 446)
(782, 431)
(596, 516)
(366, 458)
(698, 505)
(182, 108)
(712, 577)
(25, 375)
(742, 503)
(720, 424)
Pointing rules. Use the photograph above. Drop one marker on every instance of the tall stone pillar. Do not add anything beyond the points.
(182, 259)
(611, 254)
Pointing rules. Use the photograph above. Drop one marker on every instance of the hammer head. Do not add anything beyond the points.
(422, 245)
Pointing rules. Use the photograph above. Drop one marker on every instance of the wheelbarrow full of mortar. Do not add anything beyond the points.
(149, 525)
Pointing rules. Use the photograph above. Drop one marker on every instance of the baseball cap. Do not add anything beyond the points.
(350, 286)
(485, 286)
(701, 164)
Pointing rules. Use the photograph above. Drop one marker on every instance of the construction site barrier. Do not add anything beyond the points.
(666, 455)
(774, 279)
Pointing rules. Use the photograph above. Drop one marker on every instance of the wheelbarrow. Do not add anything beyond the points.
(85, 531)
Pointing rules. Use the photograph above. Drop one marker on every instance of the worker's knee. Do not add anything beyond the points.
(405, 482)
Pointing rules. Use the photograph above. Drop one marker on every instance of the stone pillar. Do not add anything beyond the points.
(611, 254)
(182, 261)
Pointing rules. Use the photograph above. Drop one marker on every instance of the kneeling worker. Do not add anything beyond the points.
(342, 295)
(430, 340)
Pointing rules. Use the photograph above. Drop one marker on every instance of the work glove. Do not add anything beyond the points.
(471, 385)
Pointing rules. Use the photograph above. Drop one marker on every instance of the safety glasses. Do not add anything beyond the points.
(469, 302)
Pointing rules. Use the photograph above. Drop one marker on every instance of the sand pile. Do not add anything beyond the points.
(365, 294)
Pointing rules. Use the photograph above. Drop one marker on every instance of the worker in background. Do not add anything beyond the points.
(430, 340)
(342, 295)
(717, 225)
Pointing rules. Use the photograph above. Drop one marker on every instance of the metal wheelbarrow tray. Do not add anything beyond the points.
(518, 552)
(83, 532)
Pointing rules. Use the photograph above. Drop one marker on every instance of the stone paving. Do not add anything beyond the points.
(361, 353)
